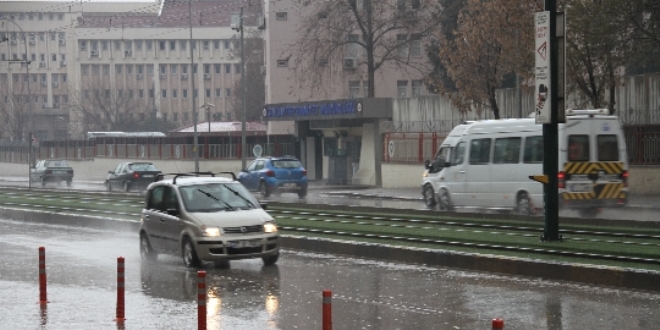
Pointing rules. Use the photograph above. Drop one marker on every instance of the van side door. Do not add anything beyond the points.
(455, 174)
(478, 187)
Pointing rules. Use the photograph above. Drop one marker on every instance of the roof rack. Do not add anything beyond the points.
(161, 176)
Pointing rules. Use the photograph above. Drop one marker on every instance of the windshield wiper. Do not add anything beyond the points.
(241, 196)
(209, 195)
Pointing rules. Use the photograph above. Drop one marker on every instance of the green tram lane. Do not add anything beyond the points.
(626, 244)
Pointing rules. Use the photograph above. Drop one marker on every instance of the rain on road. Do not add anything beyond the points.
(81, 268)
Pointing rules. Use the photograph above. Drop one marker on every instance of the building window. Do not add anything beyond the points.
(174, 93)
(207, 68)
(129, 69)
(117, 45)
(150, 69)
(104, 45)
(401, 88)
(227, 46)
(161, 45)
(195, 93)
(140, 69)
(217, 68)
(281, 16)
(208, 93)
(106, 70)
(172, 45)
(216, 44)
(53, 57)
(163, 93)
(138, 44)
(184, 93)
(237, 68)
(218, 93)
(183, 44)
(175, 117)
(416, 45)
(416, 88)
(227, 68)
(83, 43)
(163, 69)
(228, 92)
(353, 89)
(173, 68)
(402, 49)
(96, 70)
(184, 68)
(206, 44)
(149, 44)
(141, 93)
(151, 93)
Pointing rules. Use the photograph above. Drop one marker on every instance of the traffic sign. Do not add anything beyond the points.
(542, 67)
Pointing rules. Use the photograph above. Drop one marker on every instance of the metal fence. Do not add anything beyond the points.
(643, 144)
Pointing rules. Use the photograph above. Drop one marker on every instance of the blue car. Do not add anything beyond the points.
(275, 175)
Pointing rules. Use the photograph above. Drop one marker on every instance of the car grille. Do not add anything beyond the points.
(251, 250)
(239, 230)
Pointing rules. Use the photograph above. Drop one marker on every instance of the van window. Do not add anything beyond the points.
(533, 149)
(608, 148)
(578, 148)
(479, 151)
(458, 155)
(507, 151)
(441, 158)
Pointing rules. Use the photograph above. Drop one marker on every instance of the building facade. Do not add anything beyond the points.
(93, 65)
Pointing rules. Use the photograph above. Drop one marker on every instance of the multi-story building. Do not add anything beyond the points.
(95, 64)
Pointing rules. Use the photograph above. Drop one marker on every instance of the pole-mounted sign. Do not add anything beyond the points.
(542, 67)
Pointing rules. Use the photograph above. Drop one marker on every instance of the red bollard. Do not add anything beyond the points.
(498, 324)
(120, 290)
(327, 310)
(42, 276)
(201, 300)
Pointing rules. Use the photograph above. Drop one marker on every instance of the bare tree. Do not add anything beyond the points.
(370, 33)
(488, 45)
(255, 87)
(15, 108)
(596, 47)
(105, 108)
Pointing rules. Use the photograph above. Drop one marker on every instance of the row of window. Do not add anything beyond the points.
(33, 57)
(32, 36)
(163, 69)
(508, 150)
(161, 45)
(164, 93)
(32, 16)
(55, 78)
(57, 99)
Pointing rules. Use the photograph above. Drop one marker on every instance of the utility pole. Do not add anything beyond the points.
(192, 78)
(237, 24)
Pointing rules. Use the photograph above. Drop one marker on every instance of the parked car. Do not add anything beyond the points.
(203, 217)
(131, 176)
(275, 175)
(52, 170)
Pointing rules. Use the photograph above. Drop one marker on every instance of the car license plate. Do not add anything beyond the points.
(148, 175)
(59, 172)
(244, 244)
(290, 185)
(580, 187)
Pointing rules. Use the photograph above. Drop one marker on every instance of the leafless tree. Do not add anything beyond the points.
(368, 34)
(15, 108)
(255, 87)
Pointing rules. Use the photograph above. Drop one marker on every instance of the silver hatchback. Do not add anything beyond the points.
(203, 217)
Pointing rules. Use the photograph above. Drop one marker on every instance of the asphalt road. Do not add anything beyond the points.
(81, 266)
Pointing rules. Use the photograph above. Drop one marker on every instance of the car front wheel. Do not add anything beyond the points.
(146, 252)
(302, 192)
(429, 197)
(108, 186)
(189, 255)
(271, 260)
(125, 186)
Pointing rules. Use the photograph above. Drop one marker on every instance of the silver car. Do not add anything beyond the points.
(206, 218)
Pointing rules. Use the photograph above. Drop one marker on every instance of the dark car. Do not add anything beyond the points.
(131, 176)
(52, 170)
(275, 175)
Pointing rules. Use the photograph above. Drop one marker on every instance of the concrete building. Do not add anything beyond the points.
(319, 92)
(121, 61)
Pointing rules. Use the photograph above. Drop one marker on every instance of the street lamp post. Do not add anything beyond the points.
(29, 98)
(192, 74)
(239, 27)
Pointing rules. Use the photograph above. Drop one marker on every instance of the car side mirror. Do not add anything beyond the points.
(111, 172)
(427, 164)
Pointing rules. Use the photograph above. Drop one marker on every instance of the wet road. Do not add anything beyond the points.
(81, 270)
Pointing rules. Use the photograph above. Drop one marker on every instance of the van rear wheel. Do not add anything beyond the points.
(429, 197)
(589, 213)
(523, 205)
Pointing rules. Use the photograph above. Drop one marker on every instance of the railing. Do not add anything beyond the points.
(643, 144)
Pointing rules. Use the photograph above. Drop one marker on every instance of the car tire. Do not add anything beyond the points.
(589, 213)
(146, 252)
(270, 260)
(125, 186)
(429, 197)
(263, 190)
(302, 193)
(523, 204)
(68, 183)
(444, 202)
(108, 186)
(188, 254)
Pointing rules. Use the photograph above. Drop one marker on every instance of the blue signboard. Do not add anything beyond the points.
(328, 109)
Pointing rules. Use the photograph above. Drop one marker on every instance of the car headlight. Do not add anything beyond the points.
(211, 231)
(270, 227)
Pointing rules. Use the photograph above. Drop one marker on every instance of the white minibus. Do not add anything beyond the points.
(487, 164)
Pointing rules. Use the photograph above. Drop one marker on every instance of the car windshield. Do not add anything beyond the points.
(212, 197)
(142, 167)
(56, 163)
(286, 163)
